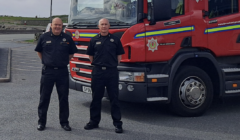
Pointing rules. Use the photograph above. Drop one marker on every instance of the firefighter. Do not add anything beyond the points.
(105, 52)
(55, 48)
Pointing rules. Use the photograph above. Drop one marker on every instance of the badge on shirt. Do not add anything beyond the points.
(64, 39)
(49, 42)
(112, 40)
(98, 43)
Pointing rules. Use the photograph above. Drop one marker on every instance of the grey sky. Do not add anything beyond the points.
(32, 8)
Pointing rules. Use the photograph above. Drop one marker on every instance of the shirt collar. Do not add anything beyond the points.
(55, 35)
(99, 35)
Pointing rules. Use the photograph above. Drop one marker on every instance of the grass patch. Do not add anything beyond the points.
(12, 18)
(21, 18)
(30, 41)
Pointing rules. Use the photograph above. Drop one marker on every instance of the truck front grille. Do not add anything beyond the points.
(84, 59)
(82, 51)
(84, 75)
(81, 61)
(84, 66)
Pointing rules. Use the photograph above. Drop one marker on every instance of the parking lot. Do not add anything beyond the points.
(19, 100)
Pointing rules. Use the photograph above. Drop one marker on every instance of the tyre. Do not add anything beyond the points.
(192, 92)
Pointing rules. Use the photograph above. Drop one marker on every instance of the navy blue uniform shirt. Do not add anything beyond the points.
(105, 50)
(55, 49)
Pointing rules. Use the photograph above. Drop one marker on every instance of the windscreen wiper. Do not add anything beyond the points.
(117, 23)
(83, 24)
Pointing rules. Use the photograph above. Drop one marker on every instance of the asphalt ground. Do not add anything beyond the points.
(19, 101)
(5, 52)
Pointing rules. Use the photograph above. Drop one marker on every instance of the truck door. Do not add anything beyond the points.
(223, 27)
(164, 38)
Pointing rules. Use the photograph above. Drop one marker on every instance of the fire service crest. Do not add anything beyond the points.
(152, 45)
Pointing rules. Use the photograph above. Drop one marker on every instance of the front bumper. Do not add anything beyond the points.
(139, 94)
(143, 92)
(77, 85)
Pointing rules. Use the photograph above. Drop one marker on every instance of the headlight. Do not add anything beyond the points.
(132, 76)
(125, 76)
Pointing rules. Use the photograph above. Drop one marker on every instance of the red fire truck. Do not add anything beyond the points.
(180, 52)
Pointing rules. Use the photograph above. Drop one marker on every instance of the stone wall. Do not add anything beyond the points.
(35, 22)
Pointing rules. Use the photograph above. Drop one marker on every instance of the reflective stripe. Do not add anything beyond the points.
(222, 29)
(140, 35)
(85, 35)
(165, 32)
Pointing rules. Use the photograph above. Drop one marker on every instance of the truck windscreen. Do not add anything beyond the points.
(89, 12)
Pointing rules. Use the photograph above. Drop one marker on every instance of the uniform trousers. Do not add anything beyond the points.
(60, 78)
(102, 78)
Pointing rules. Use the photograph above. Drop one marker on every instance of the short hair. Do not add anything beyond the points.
(56, 19)
(102, 19)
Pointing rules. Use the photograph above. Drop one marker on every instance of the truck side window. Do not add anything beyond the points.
(177, 7)
(149, 9)
(219, 8)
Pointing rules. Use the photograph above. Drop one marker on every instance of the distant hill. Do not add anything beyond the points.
(30, 20)
(4, 18)
(60, 16)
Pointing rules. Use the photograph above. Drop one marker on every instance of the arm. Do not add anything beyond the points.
(91, 58)
(119, 58)
(39, 55)
(73, 49)
(70, 56)
(120, 51)
(39, 47)
(90, 51)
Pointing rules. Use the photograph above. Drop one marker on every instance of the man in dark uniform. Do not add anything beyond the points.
(105, 52)
(55, 48)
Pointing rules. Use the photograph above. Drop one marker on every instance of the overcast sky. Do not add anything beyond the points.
(32, 8)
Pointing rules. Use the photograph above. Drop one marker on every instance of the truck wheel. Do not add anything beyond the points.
(192, 92)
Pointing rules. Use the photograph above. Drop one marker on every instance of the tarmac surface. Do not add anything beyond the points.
(7, 42)
(19, 100)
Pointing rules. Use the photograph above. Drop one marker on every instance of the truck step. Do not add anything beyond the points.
(231, 69)
(232, 91)
(152, 99)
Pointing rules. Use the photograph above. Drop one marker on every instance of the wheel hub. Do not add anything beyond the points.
(192, 92)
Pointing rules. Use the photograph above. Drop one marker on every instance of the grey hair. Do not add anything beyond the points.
(102, 19)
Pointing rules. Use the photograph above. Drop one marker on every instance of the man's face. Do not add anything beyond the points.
(56, 26)
(104, 26)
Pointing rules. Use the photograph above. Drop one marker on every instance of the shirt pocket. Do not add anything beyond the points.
(64, 47)
(112, 48)
(48, 47)
(97, 47)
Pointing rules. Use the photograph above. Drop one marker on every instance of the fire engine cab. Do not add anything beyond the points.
(180, 52)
